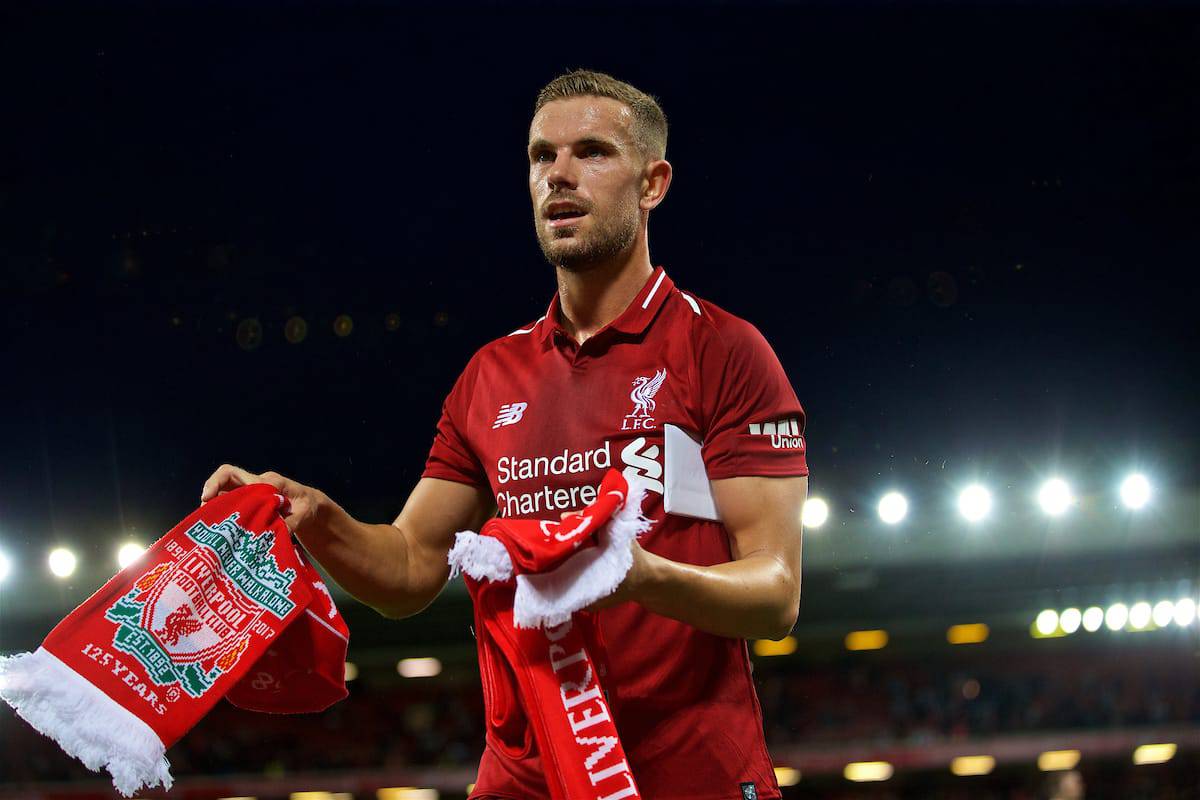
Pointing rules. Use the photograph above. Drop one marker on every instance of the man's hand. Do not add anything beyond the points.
(637, 577)
(307, 503)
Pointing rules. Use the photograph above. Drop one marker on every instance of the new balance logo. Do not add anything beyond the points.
(785, 434)
(510, 414)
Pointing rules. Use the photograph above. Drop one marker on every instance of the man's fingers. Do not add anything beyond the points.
(226, 477)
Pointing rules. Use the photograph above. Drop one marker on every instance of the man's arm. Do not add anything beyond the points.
(397, 569)
(754, 596)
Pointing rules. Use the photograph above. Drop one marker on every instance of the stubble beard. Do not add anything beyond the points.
(607, 239)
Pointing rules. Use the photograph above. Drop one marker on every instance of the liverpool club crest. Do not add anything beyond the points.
(644, 389)
(189, 621)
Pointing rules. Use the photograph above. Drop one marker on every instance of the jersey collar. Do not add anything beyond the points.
(633, 320)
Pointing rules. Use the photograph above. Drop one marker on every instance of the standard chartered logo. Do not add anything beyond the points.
(515, 473)
(642, 464)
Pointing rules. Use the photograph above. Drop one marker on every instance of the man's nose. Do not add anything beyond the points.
(562, 172)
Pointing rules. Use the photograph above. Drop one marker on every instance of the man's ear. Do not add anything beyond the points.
(656, 179)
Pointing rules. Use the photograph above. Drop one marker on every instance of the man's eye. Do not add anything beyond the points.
(542, 156)
(594, 151)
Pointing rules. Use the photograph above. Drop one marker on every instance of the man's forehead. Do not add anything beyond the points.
(573, 118)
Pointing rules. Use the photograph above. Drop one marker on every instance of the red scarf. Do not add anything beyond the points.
(552, 647)
(225, 605)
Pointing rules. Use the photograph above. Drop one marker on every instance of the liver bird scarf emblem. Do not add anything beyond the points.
(224, 605)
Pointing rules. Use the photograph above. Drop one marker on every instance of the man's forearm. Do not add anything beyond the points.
(751, 598)
(365, 559)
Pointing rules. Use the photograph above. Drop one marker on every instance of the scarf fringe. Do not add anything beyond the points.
(551, 598)
(85, 722)
(481, 557)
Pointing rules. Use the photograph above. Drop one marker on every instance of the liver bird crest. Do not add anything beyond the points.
(179, 623)
(643, 393)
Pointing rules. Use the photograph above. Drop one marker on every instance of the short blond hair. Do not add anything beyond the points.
(649, 121)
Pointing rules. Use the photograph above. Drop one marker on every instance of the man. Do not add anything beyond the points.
(536, 418)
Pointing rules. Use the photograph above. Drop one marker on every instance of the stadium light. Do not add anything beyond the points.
(866, 640)
(1185, 611)
(1154, 753)
(1055, 497)
(62, 562)
(129, 553)
(1135, 491)
(1055, 760)
(972, 765)
(1116, 616)
(787, 776)
(5, 567)
(772, 647)
(893, 508)
(419, 667)
(1047, 622)
(816, 511)
(863, 771)
(970, 633)
(974, 502)
(1164, 612)
(1070, 619)
(1093, 618)
(1139, 616)
(351, 671)
(406, 793)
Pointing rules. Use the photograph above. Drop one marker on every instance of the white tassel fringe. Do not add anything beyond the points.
(480, 557)
(550, 598)
(84, 721)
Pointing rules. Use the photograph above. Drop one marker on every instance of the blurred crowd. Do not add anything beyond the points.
(915, 702)
(439, 721)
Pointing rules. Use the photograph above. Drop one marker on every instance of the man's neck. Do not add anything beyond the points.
(591, 299)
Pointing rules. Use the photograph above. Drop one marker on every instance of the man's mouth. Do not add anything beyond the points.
(561, 219)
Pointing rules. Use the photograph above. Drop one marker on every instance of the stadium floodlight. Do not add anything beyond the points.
(861, 771)
(1135, 491)
(892, 508)
(1139, 616)
(1185, 611)
(974, 502)
(1164, 612)
(1054, 760)
(129, 553)
(775, 647)
(1047, 622)
(1055, 497)
(350, 672)
(787, 776)
(1070, 619)
(1116, 616)
(967, 633)
(1093, 618)
(816, 511)
(1154, 753)
(973, 765)
(419, 667)
(5, 567)
(866, 640)
(406, 793)
(62, 562)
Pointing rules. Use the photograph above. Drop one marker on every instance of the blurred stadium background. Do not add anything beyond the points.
(970, 234)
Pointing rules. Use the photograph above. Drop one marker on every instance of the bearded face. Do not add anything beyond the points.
(585, 175)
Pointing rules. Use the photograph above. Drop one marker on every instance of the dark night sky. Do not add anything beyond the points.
(169, 174)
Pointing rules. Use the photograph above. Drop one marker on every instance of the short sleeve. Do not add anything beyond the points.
(753, 422)
(451, 457)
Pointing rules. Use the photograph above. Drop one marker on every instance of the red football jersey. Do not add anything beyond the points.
(537, 419)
